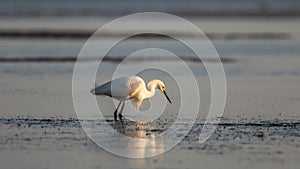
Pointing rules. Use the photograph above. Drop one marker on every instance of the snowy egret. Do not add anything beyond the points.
(126, 88)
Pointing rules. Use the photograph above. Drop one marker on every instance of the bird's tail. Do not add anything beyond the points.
(93, 89)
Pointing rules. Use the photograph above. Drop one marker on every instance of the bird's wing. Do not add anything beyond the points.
(117, 88)
(120, 87)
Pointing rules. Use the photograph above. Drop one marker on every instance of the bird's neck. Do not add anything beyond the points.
(151, 90)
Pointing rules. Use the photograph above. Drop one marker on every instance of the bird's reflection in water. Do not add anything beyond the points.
(143, 141)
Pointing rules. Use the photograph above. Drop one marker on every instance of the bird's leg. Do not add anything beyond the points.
(138, 104)
(120, 114)
(116, 111)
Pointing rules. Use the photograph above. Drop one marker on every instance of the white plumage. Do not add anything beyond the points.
(126, 88)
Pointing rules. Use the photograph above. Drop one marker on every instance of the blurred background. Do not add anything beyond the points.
(257, 40)
(43, 8)
(63, 26)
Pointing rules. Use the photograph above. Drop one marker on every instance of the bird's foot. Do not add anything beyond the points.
(120, 116)
(116, 115)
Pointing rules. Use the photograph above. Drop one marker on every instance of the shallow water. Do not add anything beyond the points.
(118, 7)
(253, 136)
(226, 49)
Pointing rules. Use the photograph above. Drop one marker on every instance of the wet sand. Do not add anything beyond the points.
(259, 128)
(63, 143)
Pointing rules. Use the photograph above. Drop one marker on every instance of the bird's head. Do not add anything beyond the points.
(162, 87)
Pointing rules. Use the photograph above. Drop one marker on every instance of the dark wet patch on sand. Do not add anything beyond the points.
(114, 59)
(250, 136)
(80, 34)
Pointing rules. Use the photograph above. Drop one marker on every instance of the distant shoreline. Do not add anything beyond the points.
(109, 59)
(80, 34)
(87, 14)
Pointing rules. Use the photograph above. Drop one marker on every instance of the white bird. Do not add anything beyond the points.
(126, 88)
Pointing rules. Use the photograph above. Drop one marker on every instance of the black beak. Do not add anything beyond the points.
(167, 96)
